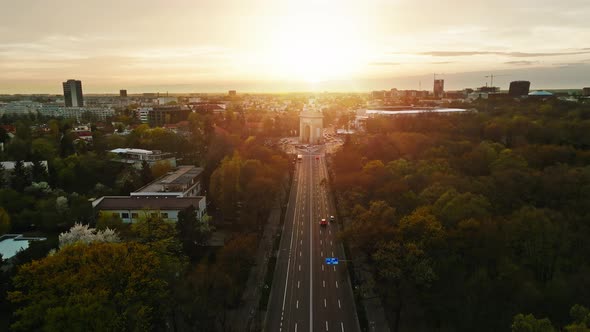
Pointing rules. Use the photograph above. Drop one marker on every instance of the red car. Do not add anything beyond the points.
(323, 222)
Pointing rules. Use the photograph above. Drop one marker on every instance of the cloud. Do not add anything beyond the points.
(385, 63)
(521, 63)
(508, 54)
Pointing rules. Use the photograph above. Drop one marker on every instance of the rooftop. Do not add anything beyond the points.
(184, 175)
(147, 202)
(11, 244)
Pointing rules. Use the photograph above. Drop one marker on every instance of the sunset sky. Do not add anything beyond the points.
(276, 45)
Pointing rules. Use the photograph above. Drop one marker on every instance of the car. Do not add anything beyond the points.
(332, 219)
(323, 222)
(317, 157)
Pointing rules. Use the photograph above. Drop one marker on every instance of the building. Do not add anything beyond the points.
(73, 93)
(136, 157)
(519, 88)
(20, 107)
(161, 115)
(166, 100)
(142, 114)
(439, 88)
(311, 125)
(586, 91)
(232, 93)
(123, 93)
(540, 94)
(185, 181)
(133, 208)
(78, 113)
(399, 111)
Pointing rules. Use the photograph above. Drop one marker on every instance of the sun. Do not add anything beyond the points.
(313, 48)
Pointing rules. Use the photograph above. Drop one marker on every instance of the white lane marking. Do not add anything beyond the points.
(296, 327)
(330, 232)
(342, 326)
(332, 254)
(320, 232)
(324, 283)
(330, 242)
(297, 304)
(334, 268)
(300, 254)
(339, 306)
(325, 303)
(322, 267)
(336, 283)
(299, 267)
(326, 325)
(321, 253)
(300, 242)
(310, 261)
(320, 242)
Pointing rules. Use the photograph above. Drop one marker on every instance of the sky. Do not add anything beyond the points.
(280, 46)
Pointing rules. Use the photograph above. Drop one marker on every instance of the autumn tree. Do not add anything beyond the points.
(98, 286)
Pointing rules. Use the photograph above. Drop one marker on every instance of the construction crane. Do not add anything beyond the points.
(491, 77)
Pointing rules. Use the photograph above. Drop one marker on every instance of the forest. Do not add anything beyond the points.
(475, 221)
(151, 275)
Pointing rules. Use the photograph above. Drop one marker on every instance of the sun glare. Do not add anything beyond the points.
(315, 48)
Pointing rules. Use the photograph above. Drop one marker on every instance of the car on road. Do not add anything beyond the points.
(323, 222)
(332, 219)
(317, 157)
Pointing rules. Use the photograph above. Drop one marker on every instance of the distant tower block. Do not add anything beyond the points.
(311, 125)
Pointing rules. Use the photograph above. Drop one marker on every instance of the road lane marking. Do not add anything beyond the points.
(330, 242)
(320, 242)
(342, 326)
(300, 254)
(311, 260)
(336, 283)
(326, 325)
(334, 268)
(332, 254)
(339, 306)
(299, 267)
(322, 267)
(325, 303)
(321, 253)
(297, 305)
(324, 282)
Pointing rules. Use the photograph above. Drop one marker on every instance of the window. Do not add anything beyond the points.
(125, 215)
(134, 215)
(164, 215)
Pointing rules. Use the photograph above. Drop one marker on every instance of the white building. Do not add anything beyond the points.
(133, 208)
(137, 156)
(143, 113)
(185, 181)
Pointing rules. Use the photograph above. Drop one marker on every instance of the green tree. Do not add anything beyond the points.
(192, 231)
(38, 172)
(98, 286)
(529, 323)
(4, 221)
(20, 176)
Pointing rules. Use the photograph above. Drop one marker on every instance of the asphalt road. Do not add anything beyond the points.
(307, 294)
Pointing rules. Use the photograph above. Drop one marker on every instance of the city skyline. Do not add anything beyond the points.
(282, 46)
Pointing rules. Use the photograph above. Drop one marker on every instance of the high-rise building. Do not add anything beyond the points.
(586, 91)
(439, 88)
(123, 93)
(519, 88)
(73, 93)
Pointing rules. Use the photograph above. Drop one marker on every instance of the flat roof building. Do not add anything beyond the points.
(185, 181)
(133, 208)
(137, 156)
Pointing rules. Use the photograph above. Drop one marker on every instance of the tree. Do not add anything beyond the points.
(146, 173)
(225, 185)
(84, 234)
(529, 323)
(38, 171)
(20, 176)
(160, 168)
(97, 286)
(4, 221)
(193, 231)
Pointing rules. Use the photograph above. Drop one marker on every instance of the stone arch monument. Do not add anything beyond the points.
(311, 125)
